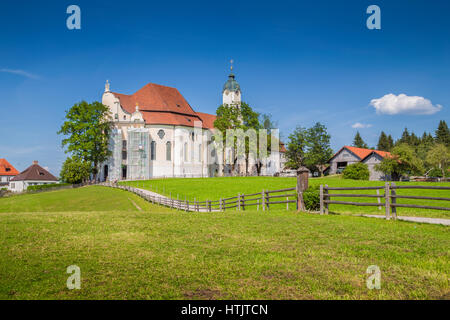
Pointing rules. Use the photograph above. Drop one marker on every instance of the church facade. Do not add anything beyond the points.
(156, 133)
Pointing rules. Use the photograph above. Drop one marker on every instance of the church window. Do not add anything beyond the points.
(124, 117)
(168, 151)
(124, 155)
(153, 150)
(116, 116)
(161, 134)
(192, 136)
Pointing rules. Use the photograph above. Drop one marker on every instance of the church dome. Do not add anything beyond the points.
(231, 84)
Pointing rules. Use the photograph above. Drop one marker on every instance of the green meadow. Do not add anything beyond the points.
(127, 248)
(223, 187)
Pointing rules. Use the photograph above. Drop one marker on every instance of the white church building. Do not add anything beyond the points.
(156, 133)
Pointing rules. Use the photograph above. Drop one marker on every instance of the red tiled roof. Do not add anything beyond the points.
(35, 172)
(362, 153)
(208, 119)
(163, 105)
(6, 169)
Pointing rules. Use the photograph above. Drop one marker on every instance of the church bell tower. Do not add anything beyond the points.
(231, 93)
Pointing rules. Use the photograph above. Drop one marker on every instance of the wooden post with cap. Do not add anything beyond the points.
(302, 185)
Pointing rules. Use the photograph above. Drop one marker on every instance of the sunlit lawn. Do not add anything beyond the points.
(157, 253)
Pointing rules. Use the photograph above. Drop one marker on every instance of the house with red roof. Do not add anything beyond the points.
(348, 155)
(7, 172)
(157, 133)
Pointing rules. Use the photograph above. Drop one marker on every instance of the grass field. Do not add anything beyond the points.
(214, 188)
(157, 253)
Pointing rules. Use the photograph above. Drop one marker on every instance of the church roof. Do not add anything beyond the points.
(35, 172)
(160, 105)
(231, 84)
(6, 169)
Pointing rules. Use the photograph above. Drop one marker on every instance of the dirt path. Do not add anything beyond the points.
(445, 222)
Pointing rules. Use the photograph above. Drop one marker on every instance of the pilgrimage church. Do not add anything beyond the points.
(156, 133)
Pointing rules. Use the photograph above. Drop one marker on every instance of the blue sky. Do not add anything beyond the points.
(301, 61)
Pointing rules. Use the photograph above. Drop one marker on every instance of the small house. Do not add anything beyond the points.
(7, 172)
(31, 176)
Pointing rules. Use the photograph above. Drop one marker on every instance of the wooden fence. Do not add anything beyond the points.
(262, 200)
(390, 197)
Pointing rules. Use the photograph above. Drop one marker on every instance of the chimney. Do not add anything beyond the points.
(35, 162)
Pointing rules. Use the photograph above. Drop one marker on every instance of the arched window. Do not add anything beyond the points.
(168, 151)
(153, 150)
(185, 152)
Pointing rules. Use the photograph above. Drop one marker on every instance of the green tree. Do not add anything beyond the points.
(383, 142)
(318, 147)
(87, 129)
(403, 160)
(75, 170)
(405, 138)
(390, 143)
(242, 117)
(443, 134)
(439, 157)
(296, 147)
(359, 142)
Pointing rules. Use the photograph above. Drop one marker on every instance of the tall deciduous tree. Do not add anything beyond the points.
(439, 157)
(359, 142)
(295, 153)
(87, 129)
(403, 160)
(318, 147)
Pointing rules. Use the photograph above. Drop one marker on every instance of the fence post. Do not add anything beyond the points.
(257, 205)
(387, 200)
(239, 201)
(393, 202)
(287, 203)
(209, 205)
(220, 204)
(263, 200)
(321, 199)
(267, 200)
(302, 185)
(378, 199)
(243, 202)
(326, 197)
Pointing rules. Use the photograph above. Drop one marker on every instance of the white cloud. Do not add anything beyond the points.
(359, 125)
(20, 73)
(403, 104)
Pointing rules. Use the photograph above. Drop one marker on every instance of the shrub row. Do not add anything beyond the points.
(47, 186)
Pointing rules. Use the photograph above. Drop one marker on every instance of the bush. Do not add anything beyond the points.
(357, 171)
(311, 198)
(47, 186)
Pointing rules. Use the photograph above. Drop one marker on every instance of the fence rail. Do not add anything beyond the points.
(390, 197)
(261, 200)
(386, 197)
